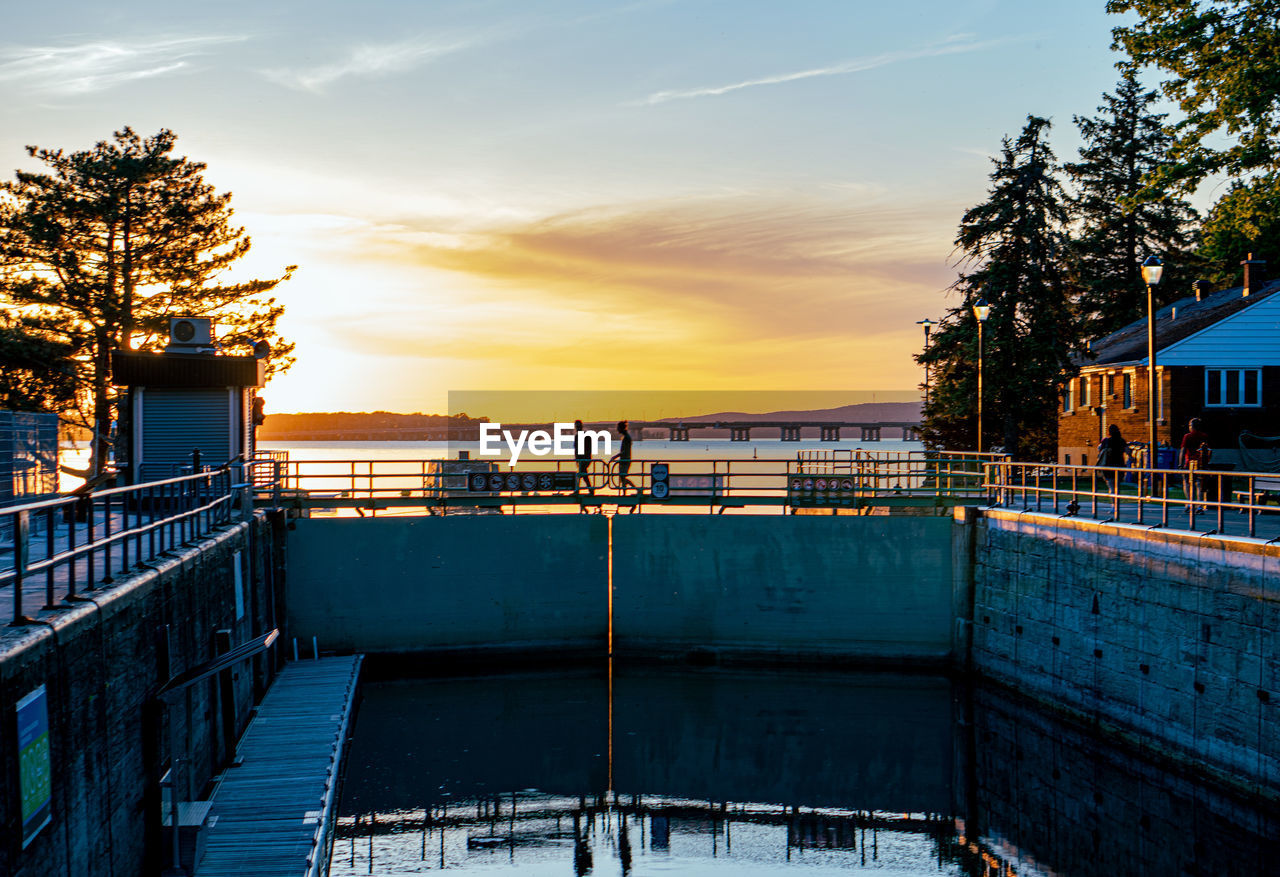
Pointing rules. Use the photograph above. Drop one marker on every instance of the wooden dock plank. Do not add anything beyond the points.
(271, 815)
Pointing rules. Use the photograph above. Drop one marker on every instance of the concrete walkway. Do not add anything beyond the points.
(272, 815)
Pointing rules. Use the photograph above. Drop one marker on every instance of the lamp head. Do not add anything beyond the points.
(1152, 270)
(981, 310)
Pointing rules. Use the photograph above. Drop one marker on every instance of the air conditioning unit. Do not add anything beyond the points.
(190, 335)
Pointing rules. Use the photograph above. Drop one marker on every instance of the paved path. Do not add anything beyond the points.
(272, 815)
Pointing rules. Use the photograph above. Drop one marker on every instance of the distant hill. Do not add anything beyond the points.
(366, 426)
(864, 412)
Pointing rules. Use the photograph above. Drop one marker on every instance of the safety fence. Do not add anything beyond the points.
(826, 479)
(1206, 500)
(76, 542)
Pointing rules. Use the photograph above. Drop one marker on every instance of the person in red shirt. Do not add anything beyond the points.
(1191, 454)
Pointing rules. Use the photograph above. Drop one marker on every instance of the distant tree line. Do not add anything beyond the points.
(1056, 248)
(284, 426)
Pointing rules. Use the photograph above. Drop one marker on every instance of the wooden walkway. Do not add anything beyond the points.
(273, 813)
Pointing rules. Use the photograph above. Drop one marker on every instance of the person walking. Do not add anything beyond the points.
(623, 457)
(582, 458)
(1193, 454)
(1113, 454)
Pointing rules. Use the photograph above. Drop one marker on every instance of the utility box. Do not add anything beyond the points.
(177, 403)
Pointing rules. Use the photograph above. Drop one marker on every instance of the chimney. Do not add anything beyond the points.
(1255, 273)
(1202, 288)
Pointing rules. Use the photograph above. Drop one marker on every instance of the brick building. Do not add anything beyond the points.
(1217, 358)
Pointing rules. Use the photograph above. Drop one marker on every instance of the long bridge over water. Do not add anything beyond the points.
(677, 431)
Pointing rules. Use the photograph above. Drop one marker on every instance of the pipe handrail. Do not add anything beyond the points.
(79, 541)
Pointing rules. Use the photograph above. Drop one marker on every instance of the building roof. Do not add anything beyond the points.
(1129, 344)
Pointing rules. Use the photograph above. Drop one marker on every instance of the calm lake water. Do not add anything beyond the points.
(705, 772)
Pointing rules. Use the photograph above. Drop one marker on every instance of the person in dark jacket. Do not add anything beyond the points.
(1113, 453)
(623, 458)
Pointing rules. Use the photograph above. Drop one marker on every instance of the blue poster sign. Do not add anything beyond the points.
(35, 773)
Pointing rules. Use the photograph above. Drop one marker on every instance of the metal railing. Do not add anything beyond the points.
(1220, 501)
(819, 479)
(77, 542)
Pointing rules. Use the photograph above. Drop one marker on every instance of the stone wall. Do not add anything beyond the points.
(1169, 639)
(102, 662)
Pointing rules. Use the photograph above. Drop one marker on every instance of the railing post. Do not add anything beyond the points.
(49, 543)
(1251, 506)
(71, 547)
(106, 553)
(135, 497)
(151, 524)
(91, 573)
(20, 528)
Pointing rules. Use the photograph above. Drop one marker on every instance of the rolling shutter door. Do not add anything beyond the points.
(176, 421)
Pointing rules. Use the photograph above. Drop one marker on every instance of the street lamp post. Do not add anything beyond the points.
(981, 310)
(1152, 271)
(928, 324)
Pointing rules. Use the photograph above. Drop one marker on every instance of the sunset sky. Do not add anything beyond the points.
(497, 195)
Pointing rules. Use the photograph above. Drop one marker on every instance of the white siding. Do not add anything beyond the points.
(1250, 337)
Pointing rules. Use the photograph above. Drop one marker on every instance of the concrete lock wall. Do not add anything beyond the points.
(102, 662)
(467, 583)
(871, 588)
(1169, 639)
(858, 587)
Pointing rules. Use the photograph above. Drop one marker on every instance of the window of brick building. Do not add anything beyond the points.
(1232, 387)
(1128, 390)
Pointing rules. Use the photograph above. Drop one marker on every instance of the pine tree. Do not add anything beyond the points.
(113, 241)
(1014, 254)
(1114, 229)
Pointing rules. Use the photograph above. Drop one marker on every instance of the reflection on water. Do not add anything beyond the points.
(702, 772)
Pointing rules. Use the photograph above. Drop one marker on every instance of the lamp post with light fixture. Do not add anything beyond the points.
(1152, 271)
(981, 310)
(928, 324)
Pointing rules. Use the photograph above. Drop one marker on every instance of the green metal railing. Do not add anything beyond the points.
(810, 480)
(1199, 500)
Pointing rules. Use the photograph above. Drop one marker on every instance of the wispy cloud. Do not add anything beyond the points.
(726, 262)
(102, 64)
(370, 60)
(954, 45)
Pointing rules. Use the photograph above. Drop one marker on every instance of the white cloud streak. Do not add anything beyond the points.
(955, 45)
(102, 64)
(367, 61)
